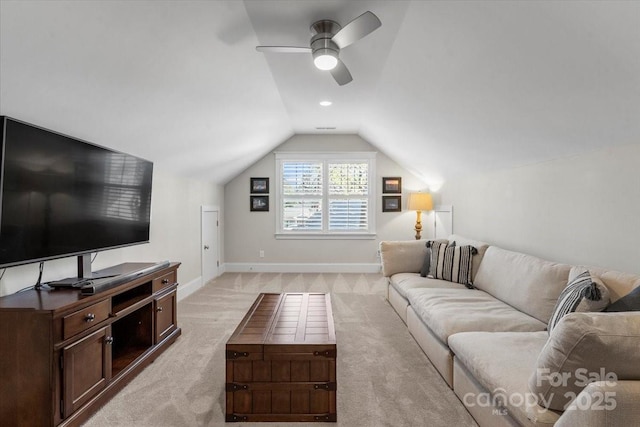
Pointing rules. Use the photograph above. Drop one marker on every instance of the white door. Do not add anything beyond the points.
(443, 221)
(209, 249)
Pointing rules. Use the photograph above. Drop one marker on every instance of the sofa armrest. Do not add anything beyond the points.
(604, 403)
(406, 256)
(582, 345)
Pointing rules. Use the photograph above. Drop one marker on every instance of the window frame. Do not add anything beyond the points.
(325, 158)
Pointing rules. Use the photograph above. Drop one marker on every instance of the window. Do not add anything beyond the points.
(326, 195)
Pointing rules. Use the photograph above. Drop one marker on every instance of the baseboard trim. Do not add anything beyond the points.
(186, 289)
(245, 267)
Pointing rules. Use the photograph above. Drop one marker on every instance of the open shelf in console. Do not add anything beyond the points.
(132, 336)
(129, 298)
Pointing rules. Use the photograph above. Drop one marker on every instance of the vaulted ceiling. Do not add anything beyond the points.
(446, 88)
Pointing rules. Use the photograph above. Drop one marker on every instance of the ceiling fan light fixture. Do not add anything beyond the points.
(325, 59)
(328, 37)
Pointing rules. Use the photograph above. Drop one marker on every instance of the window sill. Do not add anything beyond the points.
(325, 236)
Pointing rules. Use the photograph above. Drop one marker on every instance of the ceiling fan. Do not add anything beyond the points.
(328, 37)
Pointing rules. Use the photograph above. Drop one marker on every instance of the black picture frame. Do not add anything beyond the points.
(259, 186)
(392, 184)
(259, 203)
(391, 203)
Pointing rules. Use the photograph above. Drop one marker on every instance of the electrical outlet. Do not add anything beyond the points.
(261, 253)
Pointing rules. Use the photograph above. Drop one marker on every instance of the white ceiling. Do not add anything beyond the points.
(444, 88)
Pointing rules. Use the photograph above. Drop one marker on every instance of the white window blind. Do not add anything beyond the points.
(348, 183)
(302, 195)
(301, 178)
(325, 194)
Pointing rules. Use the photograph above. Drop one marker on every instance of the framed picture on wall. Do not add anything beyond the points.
(392, 184)
(259, 203)
(259, 186)
(391, 203)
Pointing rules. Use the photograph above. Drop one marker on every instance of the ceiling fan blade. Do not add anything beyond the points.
(283, 49)
(356, 29)
(341, 74)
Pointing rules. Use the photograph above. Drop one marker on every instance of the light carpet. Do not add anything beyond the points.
(384, 378)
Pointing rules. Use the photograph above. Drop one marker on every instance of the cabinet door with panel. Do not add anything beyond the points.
(86, 369)
(165, 319)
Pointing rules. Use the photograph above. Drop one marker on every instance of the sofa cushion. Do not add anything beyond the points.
(451, 262)
(530, 284)
(402, 282)
(622, 397)
(583, 347)
(449, 311)
(582, 293)
(501, 363)
(404, 256)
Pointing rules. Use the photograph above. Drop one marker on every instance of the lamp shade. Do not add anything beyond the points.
(420, 202)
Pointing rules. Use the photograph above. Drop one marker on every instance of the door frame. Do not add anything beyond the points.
(203, 209)
(444, 213)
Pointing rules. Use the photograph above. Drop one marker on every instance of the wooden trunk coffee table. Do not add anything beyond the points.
(281, 360)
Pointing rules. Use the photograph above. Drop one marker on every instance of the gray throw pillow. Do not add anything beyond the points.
(427, 262)
(629, 302)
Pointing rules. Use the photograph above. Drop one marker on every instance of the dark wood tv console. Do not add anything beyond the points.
(63, 355)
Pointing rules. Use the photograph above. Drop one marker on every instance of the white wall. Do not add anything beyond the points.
(175, 235)
(249, 232)
(579, 210)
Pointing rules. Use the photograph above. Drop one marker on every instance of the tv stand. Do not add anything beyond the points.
(84, 266)
(64, 355)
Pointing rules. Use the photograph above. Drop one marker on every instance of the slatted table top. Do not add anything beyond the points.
(288, 318)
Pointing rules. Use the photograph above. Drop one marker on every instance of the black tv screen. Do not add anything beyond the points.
(60, 196)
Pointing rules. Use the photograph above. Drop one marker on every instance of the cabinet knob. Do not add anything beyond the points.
(165, 281)
(109, 340)
(90, 317)
(159, 308)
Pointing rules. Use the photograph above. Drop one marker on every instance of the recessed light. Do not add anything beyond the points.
(325, 103)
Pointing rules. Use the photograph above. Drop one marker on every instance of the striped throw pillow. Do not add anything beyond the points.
(426, 264)
(452, 263)
(583, 293)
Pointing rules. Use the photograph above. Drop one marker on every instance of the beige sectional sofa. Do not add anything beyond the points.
(491, 343)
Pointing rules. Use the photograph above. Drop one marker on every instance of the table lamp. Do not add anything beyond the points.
(420, 202)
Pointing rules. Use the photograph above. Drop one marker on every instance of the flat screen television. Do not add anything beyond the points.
(61, 196)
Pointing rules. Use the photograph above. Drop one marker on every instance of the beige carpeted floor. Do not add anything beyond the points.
(384, 379)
